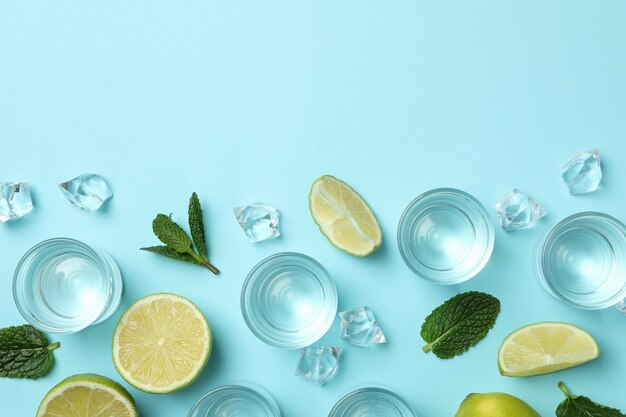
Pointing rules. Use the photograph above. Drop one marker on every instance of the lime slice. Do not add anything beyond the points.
(344, 217)
(161, 343)
(87, 395)
(546, 347)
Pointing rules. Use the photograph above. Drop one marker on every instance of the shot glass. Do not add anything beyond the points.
(236, 400)
(445, 236)
(288, 300)
(372, 401)
(62, 285)
(582, 261)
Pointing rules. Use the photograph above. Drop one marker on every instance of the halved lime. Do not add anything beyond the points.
(546, 347)
(344, 217)
(87, 395)
(161, 343)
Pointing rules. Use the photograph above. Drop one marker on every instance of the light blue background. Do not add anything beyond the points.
(251, 101)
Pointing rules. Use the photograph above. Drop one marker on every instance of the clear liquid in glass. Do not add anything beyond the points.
(288, 300)
(62, 286)
(445, 236)
(582, 261)
(236, 401)
(372, 402)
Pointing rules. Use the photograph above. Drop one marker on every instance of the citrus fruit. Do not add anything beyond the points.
(161, 343)
(87, 395)
(495, 404)
(344, 217)
(545, 347)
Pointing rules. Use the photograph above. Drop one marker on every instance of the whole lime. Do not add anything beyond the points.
(495, 404)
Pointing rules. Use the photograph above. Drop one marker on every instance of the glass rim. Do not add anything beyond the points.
(329, 290)
(409, 213)
(253, 389)
(364, 390)
(23, 266)
(554, 232)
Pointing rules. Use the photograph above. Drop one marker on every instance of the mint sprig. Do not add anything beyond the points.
(25, 352)
(177, 243)
(579, 406)
(459, 323)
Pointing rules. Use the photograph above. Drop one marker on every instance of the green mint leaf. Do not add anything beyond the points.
(171, 253)
(459, 323)
(171, 234)
(25, 352)
(178, 244)
(196, 225)
(579, 406)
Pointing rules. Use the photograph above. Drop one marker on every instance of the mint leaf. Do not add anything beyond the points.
(171, 253)
(171, 234)
(579, 406)
(178, 244)
(25, 352)
(196, 225)
(459, 323)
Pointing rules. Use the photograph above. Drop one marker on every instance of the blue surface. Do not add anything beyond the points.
(251, 101)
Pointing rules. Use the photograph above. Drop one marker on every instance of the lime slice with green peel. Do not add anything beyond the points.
(161, 343)
(546, 347)
(87, 395)
(344, 217)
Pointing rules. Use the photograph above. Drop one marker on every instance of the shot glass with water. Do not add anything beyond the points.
(372, 401)
(445, 236)
(62, 285)
(582, 261)
(289, 300)
(236, 400)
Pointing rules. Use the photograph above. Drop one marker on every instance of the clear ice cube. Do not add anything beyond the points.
(318, 364)
(15, 200)
(517, 211)
(87, 191)
(359, 327)
(258, 221)
(583, 172)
